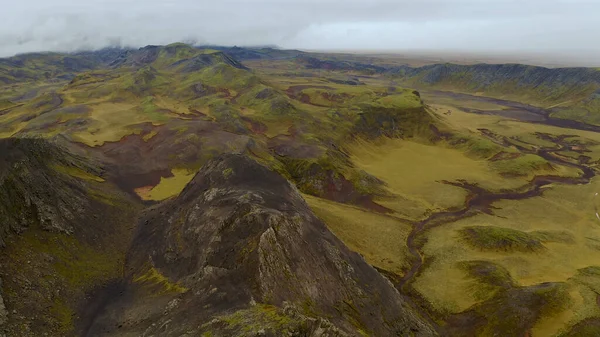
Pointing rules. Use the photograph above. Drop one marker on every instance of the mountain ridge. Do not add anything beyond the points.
(239, 238)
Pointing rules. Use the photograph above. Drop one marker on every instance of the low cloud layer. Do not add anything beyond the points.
(564, 28)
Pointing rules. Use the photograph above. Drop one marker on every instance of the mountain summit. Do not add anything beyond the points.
(239, 252)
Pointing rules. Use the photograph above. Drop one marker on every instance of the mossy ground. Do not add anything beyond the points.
(78, 173)
(168, 187)
(379, 238)
(415, 170)
(562, 221)
(490, 238)
(63, 267)
(521, 133)
(153, 277)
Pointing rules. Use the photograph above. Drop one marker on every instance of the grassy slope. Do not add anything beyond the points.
(571, 248)
(379, 238)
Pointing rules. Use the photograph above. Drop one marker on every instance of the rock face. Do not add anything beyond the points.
(31, 193)
(240, 253)
(62, 233)
(3, 311)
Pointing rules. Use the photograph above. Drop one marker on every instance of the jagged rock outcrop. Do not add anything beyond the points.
(239, 253)
(31, 192)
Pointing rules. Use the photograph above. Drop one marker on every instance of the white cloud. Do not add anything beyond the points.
(551, 26)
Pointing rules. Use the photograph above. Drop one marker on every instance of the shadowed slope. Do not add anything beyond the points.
(62, 233)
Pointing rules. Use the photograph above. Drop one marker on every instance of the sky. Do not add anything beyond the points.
(559, 28)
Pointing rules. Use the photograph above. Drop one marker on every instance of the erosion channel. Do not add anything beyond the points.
(480, 200)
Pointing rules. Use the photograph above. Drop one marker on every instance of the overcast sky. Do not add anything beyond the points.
(567, 28)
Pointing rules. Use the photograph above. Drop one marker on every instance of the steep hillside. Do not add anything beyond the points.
(62, 232)
(239, 252)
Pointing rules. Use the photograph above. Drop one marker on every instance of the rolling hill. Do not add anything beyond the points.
(218, 191)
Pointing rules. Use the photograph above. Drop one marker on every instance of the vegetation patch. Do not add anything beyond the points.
(491, 238)
(78, 173)
(476, 147)
(257, 317)
(585, 328)
(413, 172)
(260, 319)
(490, 278)
(168, 187)
(149, 135)
(379, 238)
(5, 104)
(153, 276)
(521, 166)
(511, 312)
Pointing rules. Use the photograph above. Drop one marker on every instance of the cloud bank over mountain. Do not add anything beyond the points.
(558, 27)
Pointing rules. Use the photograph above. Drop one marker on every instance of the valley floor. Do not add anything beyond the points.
(530, 227)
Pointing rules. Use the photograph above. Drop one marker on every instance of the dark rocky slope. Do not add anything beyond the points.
(63, 233)
(239, 253)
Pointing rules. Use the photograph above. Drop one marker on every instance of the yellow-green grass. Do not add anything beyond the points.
(562, 208)
(111, 122)
(380, 239)
(338, 95)
(149, 135)
(168, 187)
(256, 320)
(15, 129)
(404, 99)
(529, 165)
(171, 105)
(78, 173)
(275, 128)
(153, 277)
(5, 104)
(413, 172)
(13, 114)
(461, 120)
(275, 125)
(463, 102)
(346, 95)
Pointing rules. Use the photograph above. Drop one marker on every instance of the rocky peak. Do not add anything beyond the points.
(243, 252)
